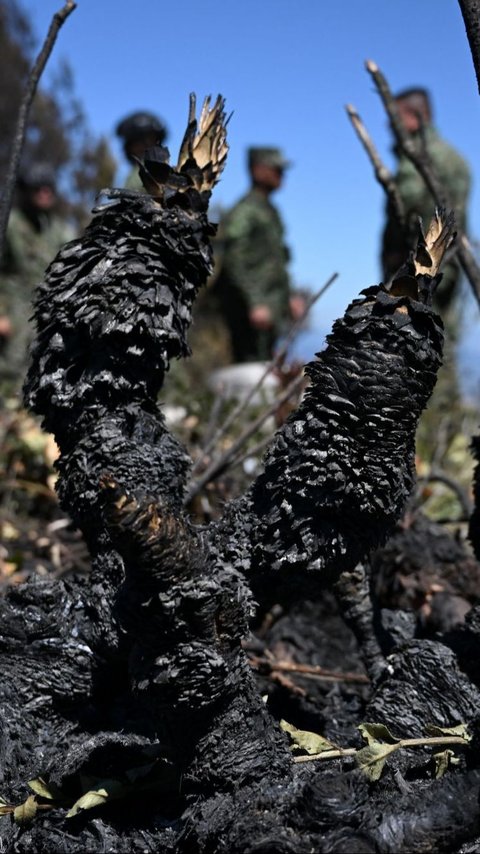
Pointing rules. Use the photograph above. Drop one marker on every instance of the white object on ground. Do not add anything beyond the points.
(236, 381)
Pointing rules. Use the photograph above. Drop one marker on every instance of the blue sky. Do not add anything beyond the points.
(287, 68)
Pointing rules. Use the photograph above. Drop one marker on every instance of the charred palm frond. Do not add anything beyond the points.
(340, 470)
(115, 305)
(113, 310)
(165, 610)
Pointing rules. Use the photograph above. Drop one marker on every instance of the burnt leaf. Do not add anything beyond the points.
(443, 760)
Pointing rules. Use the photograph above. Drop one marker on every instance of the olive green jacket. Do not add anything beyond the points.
(252, 258)
(454, 175)
(28, 252)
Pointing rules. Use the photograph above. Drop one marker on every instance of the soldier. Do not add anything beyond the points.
(139, 131)
(35, 233)
(253, 285)
(415, 111)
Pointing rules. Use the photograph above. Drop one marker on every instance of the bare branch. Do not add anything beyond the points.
(224, 460)
(424, 168)
(402, 743)
(267, 665)
(251, 452)
(238, 410)
(382, 174)
(58, 20)
(462, 495)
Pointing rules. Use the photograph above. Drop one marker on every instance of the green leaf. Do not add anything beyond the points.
(373, 733)
(443, 760)
(371, 759)
(310, 742)
(26, 812)
(460, 731)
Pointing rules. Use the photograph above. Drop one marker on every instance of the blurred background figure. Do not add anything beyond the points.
(139, 131)
(35, 233)
(414, 107)
(252, 282)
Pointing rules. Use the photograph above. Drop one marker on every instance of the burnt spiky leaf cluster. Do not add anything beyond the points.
(161, 620)
(339, 472)
(113, 310)
(115, 301)
(115, 305)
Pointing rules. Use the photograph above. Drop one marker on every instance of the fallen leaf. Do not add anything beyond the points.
(311, 742)
(373, 733)
(26, 812)
(443, 760)
(372, 758)
(460, 731)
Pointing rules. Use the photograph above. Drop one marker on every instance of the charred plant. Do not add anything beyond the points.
(135, 681)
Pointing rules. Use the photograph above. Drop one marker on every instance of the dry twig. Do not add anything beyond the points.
(219, 465)
(238, 410)
(309, 671)
(438, 476)
(402, 743)
(382, 174)
(58, 20)
(423, 165)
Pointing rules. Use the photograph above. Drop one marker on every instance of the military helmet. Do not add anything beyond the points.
(136, 125)
(37, 175)
(268, 155)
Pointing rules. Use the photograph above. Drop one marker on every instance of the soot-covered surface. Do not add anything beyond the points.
(132, 688)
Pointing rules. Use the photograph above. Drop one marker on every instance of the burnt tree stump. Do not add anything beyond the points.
(127, 698)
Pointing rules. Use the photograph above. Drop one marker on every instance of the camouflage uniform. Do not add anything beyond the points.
(133, 180)
(29, 250)
(454, 174)
(252, 271)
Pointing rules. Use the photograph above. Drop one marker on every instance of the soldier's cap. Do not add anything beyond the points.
(138, 125)
(37, 175)
(270, 156)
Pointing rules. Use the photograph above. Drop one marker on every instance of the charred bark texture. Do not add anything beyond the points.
(470, 10)
(135, 683)
(474, 525)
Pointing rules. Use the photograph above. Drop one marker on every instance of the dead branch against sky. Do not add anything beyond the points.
(58, 20)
